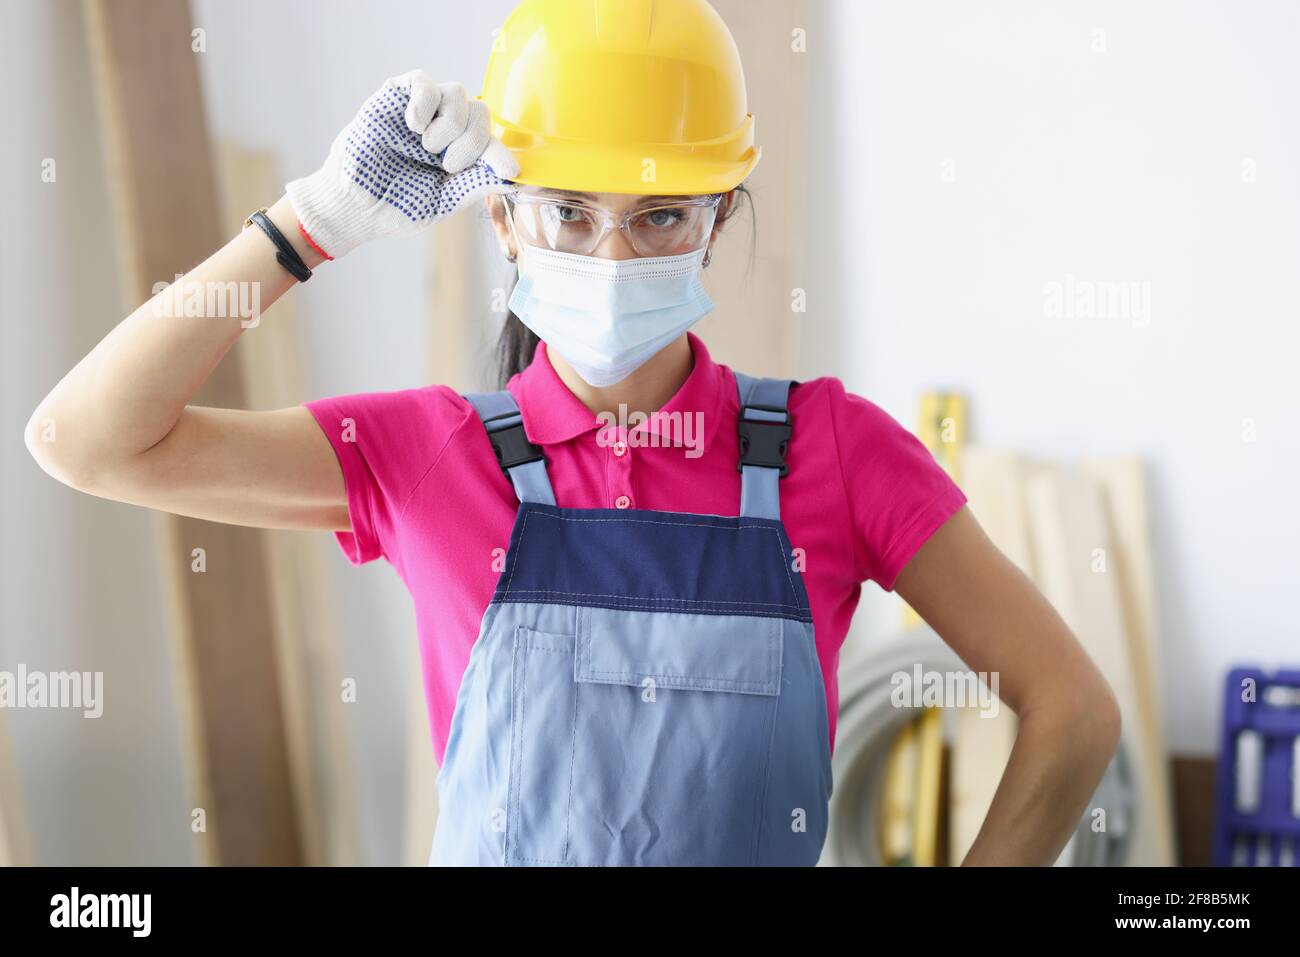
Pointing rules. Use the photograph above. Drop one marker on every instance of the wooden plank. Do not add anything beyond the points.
(898, 798)
(459, 358)
(421, 777)
(458, 306)
(929, 774)
(942, 852)
(1193, 791)
(16, 848)
(941, 427)
(753, 327)
(1122, 482)
(307, 640)
(161, 179)
(1070, 535)
(993, 481)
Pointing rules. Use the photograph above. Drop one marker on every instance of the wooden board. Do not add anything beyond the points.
(1193, 788)
(15, 840)
(898, 798)
(981, 746)
(929, 772)
(463, 265)
(306, 634)
(753, 327)
(1069, 524)
(459, 304)
(163, 188)
(421, 776)
(1123, 486)
(941, 427)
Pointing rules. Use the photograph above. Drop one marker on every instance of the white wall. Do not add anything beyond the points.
(1122, 165)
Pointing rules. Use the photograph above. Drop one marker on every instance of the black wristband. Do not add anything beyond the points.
(285, 254)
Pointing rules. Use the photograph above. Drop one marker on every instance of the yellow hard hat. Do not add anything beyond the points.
(621, 96)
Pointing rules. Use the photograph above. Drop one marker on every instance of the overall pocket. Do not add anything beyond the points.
(674, 724)
(643, 740)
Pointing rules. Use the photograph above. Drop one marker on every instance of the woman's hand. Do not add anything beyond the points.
(415, 151)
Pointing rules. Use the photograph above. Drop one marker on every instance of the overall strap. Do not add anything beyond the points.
(764, 427)
(521, 460)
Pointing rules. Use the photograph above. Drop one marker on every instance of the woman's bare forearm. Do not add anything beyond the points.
(128, 393)
(1054, 769)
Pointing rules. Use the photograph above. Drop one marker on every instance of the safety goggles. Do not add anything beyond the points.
(655, 228)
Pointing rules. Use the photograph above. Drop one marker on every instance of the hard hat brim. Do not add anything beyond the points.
(676, 169)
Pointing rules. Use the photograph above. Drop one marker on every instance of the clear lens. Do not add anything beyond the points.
(660, 230)
(670, 230)
(569, 229)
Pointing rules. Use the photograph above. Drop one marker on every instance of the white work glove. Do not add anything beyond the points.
(414, 152)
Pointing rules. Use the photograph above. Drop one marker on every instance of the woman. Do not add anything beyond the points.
(629, 621)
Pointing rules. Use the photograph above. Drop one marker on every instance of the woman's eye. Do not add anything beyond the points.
(664, 217)
(569, 214)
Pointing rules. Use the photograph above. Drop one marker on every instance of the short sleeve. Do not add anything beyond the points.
(386, 442)
(898, 493)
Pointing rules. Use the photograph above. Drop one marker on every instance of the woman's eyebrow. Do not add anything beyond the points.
(567, 194)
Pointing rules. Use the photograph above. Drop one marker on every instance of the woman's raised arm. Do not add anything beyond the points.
(120, 425)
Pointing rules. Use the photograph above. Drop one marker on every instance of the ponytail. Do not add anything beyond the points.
(515, 347)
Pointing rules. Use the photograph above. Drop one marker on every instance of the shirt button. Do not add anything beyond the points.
(620, 448)
(622, 502)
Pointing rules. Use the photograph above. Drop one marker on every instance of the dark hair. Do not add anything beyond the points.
(517, 343)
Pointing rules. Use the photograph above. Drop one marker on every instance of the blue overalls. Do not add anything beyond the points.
(644, 689)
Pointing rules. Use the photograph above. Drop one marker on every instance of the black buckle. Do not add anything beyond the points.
(763, 443)
(512, 447)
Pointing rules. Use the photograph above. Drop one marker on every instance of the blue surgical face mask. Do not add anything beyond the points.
(606, 317)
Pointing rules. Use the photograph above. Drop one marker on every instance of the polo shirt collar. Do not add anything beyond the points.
(552, 413)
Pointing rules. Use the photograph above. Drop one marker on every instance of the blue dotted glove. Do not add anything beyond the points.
(413, 154)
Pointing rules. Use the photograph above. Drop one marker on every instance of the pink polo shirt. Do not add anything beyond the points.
(426, 494)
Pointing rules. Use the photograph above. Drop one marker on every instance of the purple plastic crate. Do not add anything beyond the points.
(1269, 835)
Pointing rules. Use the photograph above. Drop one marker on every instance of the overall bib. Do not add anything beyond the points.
(644, 689)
